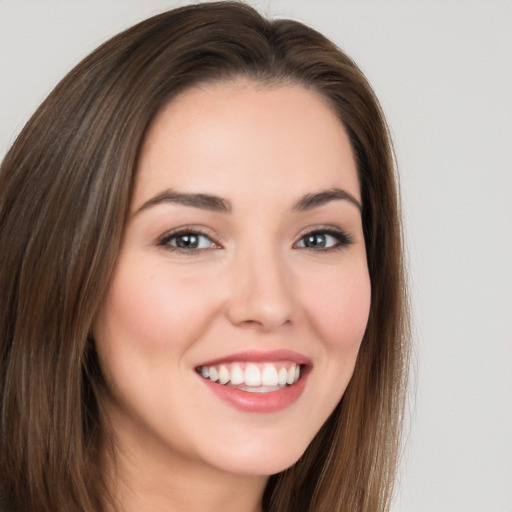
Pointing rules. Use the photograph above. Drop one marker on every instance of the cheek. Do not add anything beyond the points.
(147, 324)
(339, 310)
(153, 312)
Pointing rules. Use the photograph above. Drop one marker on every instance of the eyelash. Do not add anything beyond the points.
(342, 238)
(166, 239)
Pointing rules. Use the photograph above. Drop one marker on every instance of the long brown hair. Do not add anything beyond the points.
(65, 188)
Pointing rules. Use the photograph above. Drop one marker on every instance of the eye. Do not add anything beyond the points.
(187, 241)
(324, 240)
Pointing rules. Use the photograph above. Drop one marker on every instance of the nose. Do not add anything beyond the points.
(261, 294)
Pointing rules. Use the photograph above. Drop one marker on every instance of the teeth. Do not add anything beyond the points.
(214, 374)
(237, 375)
(223, 375)
(258, 378)
(252, 375)
(269, 376)
(291, 375)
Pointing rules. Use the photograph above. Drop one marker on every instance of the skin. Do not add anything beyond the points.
(251, 285)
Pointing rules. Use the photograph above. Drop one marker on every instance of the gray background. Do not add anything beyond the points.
(443, 71)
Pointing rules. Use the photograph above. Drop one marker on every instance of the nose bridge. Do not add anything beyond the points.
(261, 290)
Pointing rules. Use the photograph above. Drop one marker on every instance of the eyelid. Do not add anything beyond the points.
(343, 237)
(163, 240)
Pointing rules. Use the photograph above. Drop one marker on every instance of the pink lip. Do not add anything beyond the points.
(272, 401)
(260, 357)
(246, 401)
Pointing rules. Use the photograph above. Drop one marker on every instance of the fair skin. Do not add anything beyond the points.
(265, 268)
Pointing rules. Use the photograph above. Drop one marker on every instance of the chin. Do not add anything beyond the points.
(260, 458)
(260, 466)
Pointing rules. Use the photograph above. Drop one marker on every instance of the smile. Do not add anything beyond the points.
(253, 377)
(257, 382)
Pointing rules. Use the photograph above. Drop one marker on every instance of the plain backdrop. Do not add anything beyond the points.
(443, 72)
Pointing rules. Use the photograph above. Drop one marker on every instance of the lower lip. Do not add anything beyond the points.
(245, 401)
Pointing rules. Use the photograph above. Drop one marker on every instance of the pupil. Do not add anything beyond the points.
(315, 240)
(187, 241)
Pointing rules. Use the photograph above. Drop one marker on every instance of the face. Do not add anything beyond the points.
(241, 292)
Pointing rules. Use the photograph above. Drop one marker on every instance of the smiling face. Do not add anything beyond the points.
(241, 292)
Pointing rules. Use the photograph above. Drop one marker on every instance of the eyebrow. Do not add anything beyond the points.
(218, 204)
(202, 201)
(310, 201)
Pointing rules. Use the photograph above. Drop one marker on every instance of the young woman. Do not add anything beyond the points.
(201, 282)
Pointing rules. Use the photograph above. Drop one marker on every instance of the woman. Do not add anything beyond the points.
(202, 290)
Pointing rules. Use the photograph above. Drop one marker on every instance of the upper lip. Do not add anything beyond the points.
(258, 356)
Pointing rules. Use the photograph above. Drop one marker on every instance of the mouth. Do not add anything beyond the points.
(255, 381)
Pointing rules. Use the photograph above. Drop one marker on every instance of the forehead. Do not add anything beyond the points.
(223, 138)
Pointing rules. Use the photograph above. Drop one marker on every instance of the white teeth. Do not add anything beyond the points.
(258, 378)
(237, 375)
(252, 375)
(214, 374)
(223, 375)
(283, 376)
(291, 375)
(269, 376)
